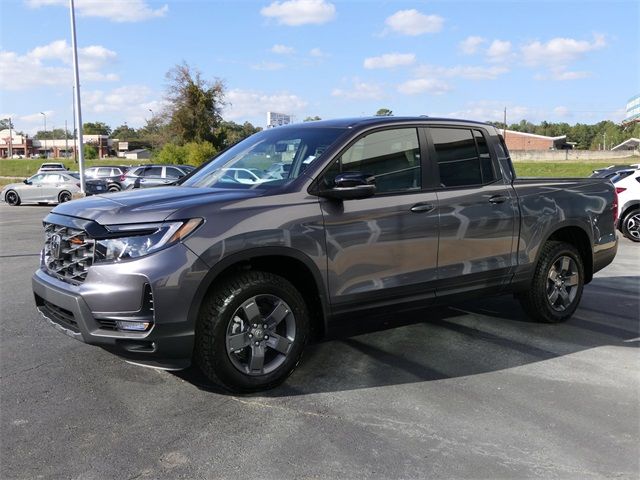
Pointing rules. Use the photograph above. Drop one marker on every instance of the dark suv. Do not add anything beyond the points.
(366, 216)
(153, 175)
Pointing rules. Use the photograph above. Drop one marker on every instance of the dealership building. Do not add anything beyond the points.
(25, 147)
(529, 141)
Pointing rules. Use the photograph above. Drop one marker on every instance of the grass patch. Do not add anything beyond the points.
(558, 169)
(25, 167)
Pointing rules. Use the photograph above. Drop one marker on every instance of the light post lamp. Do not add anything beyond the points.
(45, 134)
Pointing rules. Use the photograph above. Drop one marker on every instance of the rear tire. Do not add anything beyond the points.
(114, 189)
(64, 196)
(631, 225)
(251, 331)
(557, 284)
(12, 198)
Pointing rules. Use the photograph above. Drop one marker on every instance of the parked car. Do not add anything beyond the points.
(145, 176)
(613, 170)
(49, 187)
(248, 176)
(52, 167)
(627, 184)
(105, 171)
(390, 214)
(92, 186)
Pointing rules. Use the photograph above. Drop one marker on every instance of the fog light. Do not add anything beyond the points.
(132, 326)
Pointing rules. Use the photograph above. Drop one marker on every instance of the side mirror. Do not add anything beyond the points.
(351, 186)
(26, 181)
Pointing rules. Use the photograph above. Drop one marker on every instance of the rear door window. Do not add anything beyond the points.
(463, 157)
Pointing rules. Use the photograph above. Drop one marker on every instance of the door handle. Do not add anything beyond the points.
(422, 207)
(498, 199)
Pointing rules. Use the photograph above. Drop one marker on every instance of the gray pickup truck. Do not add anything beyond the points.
(241, 264)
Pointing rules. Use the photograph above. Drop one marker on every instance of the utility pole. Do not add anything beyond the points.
(604, 141)
(75, 144)
(11, 139)
(76, 78)
(504, 130)
(45, 134)
(66, 141)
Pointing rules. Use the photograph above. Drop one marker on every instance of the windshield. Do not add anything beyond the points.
(270, 158)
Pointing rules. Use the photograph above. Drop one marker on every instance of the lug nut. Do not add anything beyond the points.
(251, 335)
(257, 343)
(255, 325)
(265, 326)
(266, 337)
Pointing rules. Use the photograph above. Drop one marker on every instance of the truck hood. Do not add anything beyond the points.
(146, 205)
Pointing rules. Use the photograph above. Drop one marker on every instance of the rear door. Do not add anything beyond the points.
(152, 177)
(382, 250)
(477, 211)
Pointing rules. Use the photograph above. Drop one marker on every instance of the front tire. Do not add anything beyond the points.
(64, 196)
(12, 198)
(631, 225)
(557, 284)
(251, 331)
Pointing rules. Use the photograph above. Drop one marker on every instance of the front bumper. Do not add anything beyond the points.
(88, 312)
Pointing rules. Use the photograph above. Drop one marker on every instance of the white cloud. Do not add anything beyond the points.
(360, 91)
(470, 45)
(499, 51)
(390, 60)
(129, 102)
(562, 74)
(282, 49)
(468, 72)
(247, 104)
(493, 111)
(413, 23)
(318, 53)
(559, 52)
(120, 11)
(300, 12)
(50, 65)
(562, 111)
(268, 66)
(424, 85)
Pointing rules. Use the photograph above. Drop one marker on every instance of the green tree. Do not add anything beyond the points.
(55, 134)
(312, 119)
(125, 133)
(384, 112)
(230, 133)
(90, 152)
(195, 105)
(96, 128)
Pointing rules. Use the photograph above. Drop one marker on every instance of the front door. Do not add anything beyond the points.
(382, 249)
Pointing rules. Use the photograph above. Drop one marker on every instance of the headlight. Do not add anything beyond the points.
(138, 240)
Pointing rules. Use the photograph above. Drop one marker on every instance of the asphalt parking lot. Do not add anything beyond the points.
(474, 391)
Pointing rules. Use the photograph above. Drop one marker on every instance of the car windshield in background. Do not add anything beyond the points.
(269, 158)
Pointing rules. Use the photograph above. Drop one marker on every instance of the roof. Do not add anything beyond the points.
(373, 121)
(629, 143)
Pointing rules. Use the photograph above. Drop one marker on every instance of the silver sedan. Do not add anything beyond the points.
(56, 187)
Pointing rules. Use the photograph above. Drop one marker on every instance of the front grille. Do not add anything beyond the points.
(68, 253)
(60, 316)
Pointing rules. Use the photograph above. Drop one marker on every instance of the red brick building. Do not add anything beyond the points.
(529, 141)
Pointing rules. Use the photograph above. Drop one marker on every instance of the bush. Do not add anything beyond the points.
(193, 153)
(90, 152)
(171, 153)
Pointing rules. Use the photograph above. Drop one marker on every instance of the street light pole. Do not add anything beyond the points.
(11, 139)
(76, 78)
(45, 134)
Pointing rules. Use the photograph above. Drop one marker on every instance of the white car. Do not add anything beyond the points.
(628, 190)
(52, 167)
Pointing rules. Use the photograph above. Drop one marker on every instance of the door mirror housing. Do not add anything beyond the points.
(26, 181)
(350, 186)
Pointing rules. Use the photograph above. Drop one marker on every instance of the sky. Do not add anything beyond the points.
(569, 61)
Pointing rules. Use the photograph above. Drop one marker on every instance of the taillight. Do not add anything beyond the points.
(122, 178)
(616, 191)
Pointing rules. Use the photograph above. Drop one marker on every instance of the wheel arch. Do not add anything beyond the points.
(628, 207)
(291, 264)
(579, 238)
